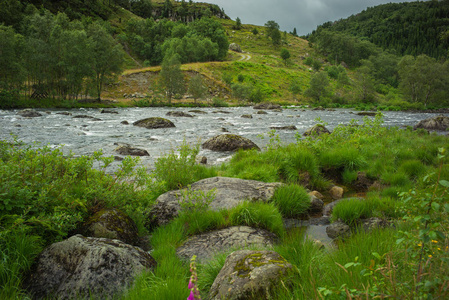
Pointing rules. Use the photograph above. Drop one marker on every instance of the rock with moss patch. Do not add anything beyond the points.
(336, 192)
(229, 142)
(82, 267)
(154, 123)
(316, 130)
(112, 224)
(235, 47)
(338, 229)
(128, 150)
(206, 244)
(439, 123)
(250, 275)
(228, 193)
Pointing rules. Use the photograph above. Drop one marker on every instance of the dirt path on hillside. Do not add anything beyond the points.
(244, 57)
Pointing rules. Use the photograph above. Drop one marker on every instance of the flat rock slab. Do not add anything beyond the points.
(205, 245)
(229, 142)
(229, 192)
(179, 114)
(250, 275)
(154, 123)
(80, 267)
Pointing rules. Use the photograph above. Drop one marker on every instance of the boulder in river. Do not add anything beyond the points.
(440, 123)
(179, 114)
(228, 193)
(128, 150)
(367, 113)
(290, 127)
(81, 267)
(154, 123)
(250, 275)
(316, 130)
(29, 113)
(229, 142)
(267, 105)
(205, 245)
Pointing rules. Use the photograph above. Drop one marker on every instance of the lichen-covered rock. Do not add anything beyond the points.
(154, 123)
(235, 47)
(261, 112)
(112, 224)
(338, 229)
(128, 150)
(206, 244)
(440, 123)
(316, 204)
(316, 130)
(229, 142)
(179, 114)
(228, 192)
(249, 275)
(81, 267)
(29, 113)
(336, 192)
(373, 223)
(267, 105)
(316, 194)
(290, 127)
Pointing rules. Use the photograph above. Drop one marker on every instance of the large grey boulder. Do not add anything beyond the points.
(235, 47)
(229, 142)
(82, 266)
(250, 275)
(29, 113)
(154, 123)
(112, 224)
(316, 130)
(229, 192)
(205, 245)
(440, 123)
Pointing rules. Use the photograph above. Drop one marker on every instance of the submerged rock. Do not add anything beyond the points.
(229, 142)
(81, 267)
(250, 275)
(154, 123)
(440, 123)
(179, 114)
(291, 127)
(205, 245)
(128, 150)
(29, 113)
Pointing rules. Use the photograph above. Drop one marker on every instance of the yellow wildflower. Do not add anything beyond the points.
(433, 241)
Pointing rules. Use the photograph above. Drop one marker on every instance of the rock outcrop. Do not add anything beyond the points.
(81, 267)
(206, 244)
(229, 142)
(228, 193)
(154, 123)
(439, 123)
(235, 47)
(249, 275)
(316, 130)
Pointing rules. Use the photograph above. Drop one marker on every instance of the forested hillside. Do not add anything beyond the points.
(410, 28)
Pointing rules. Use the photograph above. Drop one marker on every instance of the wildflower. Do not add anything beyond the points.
(419, 244)
(435, 242)
(430, 256)
(194, 292)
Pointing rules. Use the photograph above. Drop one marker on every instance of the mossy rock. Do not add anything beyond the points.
(179, 114)
(154, 123)
(316, 130)
(229, 142)
(250, 275)
(440, 123)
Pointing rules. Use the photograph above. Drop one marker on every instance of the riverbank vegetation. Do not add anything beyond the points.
(46, 195)
(337, 66)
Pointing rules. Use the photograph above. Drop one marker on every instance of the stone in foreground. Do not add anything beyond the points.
(205, 245)
(250, 275)
(229, 142)
(228, 192)
(154, 123)
(82, 267)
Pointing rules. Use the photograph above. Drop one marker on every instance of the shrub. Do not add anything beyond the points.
(292, 200)
(218, 102)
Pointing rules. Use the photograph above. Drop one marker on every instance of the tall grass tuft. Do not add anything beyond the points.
(257, 214)
(292, 200)
(351, 210)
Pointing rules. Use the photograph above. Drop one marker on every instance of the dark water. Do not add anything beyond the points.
(84, 136)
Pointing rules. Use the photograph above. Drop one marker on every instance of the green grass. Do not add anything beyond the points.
(292, 200)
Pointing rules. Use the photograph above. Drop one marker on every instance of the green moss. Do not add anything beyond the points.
(252, 261)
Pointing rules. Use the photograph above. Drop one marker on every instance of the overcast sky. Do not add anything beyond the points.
(305, 15)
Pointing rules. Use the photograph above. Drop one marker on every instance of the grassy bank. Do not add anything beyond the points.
(46, 195)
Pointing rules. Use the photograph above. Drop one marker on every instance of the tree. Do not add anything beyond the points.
(238, 24)
(272, 30)
(318, 86)
(285, 55)
(11, 68)
(172, 77)
(294, 32)
(366, 84)
(107, 57)
(196, 87)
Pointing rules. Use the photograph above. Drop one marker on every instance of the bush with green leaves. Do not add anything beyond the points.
(292, 200)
